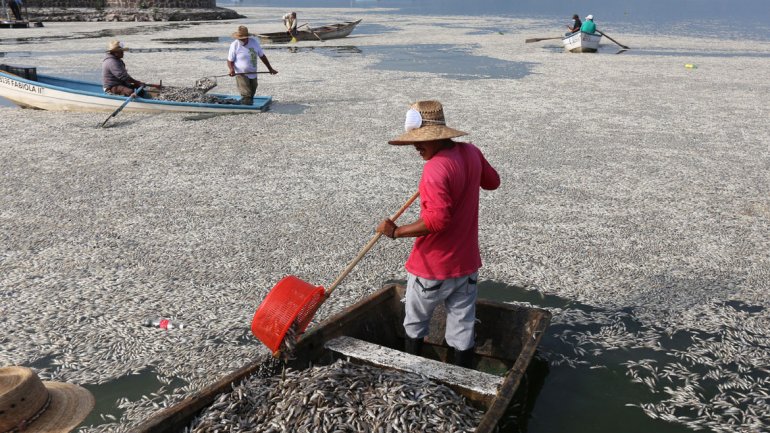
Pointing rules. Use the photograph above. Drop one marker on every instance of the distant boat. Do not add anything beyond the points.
(332, 31)
(581, 42)
(24, 87)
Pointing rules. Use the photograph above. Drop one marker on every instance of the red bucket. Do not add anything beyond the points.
(291, 300)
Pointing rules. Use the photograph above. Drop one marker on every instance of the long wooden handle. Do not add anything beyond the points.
(613, 40)
(369, 246)
(122, 106)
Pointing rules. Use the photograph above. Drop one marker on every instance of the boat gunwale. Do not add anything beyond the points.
(138, 99)
(175, 417)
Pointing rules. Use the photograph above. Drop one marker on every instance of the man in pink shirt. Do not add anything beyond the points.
(443, 266)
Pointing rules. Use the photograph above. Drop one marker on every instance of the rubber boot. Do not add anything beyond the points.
(464, 358)
(413, 346)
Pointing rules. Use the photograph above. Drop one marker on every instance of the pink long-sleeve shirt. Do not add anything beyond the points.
(449, 206)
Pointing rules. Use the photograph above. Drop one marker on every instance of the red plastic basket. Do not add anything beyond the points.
(291, 300)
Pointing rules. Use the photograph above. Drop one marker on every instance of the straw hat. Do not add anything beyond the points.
(116, 46)
(27, 404)
(243, 32)
(425, 122)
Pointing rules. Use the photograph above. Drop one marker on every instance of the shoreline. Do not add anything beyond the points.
(130, 14)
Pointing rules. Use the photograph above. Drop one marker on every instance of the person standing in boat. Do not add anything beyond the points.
(242, 63)
(575, 26)
(15, 6)
(115, 78)
(290, 21)
(588, 26)
(443, 265)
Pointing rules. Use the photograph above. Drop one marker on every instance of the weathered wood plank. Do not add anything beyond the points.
(477, 382)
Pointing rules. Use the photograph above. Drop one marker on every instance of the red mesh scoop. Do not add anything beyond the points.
(291, 300)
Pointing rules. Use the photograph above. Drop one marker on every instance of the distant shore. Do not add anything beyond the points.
(131, 14)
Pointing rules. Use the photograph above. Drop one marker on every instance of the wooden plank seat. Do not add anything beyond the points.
(460, 379)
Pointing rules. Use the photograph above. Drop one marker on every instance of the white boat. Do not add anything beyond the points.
(580, 42)
(24, 87)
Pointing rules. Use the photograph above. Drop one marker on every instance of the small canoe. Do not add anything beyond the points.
(371, 332)
(332, 31)
(45, 92)
(580, 42)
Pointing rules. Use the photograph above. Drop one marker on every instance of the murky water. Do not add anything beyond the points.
(580, 398)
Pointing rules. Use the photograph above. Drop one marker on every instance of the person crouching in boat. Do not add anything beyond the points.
(443, 265)
(115, 78)
(290, 22)
(242, 63)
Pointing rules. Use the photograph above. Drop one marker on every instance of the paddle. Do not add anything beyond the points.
(613, 40)
(541, 39)
(122, 106)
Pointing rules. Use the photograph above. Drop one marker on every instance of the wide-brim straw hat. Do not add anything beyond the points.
(425, 122)
(116, 46)
(242, 32)
(30, 405)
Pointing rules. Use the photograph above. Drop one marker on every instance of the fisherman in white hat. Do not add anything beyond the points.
(30, 405)
(290, 22)
(115, 78)
(588, 26)
(443, 266)
(242, 63)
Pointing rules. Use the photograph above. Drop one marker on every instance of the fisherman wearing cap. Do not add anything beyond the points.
(575, 26)
(443, 265)
(242, 63)
(290, 21)
(30, 405)
(588, 26)
(115, 78)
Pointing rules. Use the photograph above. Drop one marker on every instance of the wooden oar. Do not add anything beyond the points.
(613, 40)
(541, 39)
(122, 106)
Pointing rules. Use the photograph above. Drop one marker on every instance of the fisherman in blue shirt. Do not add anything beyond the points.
(588, 26)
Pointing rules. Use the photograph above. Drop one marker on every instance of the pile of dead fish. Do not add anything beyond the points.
(341, 397)
(190, 94)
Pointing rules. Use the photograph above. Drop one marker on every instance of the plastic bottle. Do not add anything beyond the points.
(690, 66)
(159, 322)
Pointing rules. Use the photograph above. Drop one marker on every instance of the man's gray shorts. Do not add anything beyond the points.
(459, 298)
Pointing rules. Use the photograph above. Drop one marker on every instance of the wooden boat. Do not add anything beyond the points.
(332, 31)
(371, 332)
(24, 87)
(580, 42)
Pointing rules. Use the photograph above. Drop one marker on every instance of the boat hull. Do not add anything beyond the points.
(582, 42)
(333, 31)
(506, 339)
(60, 94)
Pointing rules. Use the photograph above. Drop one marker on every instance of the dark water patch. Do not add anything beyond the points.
(329, 50)
(171, 50)
(202, 39)
(106, 33)
(15, 54)
(740, 306)
(449, 61)
(44, 362)
(131, 387)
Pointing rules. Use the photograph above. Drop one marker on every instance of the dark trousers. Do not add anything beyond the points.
(15, 9)
(247, 87)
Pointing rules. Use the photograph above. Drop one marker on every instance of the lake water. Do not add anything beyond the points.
(733, 19)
